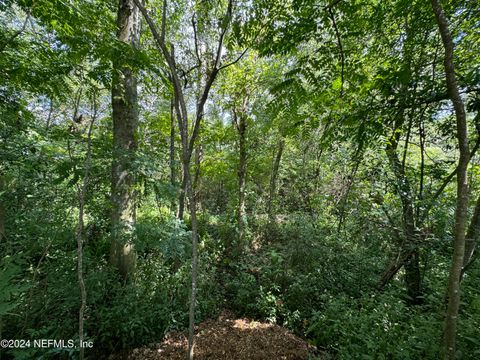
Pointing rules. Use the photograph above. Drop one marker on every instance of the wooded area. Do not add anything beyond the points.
(306, 171)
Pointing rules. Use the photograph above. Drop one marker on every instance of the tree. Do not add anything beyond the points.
(125, 123)
(240, 123)
(210, 68)
(80, 233)
(453, 290)
(240, 88)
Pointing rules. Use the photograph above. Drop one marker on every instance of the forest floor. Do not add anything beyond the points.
(229, 338)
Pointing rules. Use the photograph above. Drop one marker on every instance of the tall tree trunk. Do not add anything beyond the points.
(453, 291)
(273, 180)
(241, 124)
(125, 123)
(193, 219)
(79, 235)
(409, 249)
(179, 103)
(188, 191)
(188, 142)
(173, 165)
(80, 232)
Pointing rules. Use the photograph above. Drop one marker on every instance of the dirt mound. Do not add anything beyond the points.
(232, 339)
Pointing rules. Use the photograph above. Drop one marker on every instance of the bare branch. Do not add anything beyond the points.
(195, 37)
(200, 109)
(191, 69)
(163, 49)
(211, 78)
(225, 24)
(164, 12)
(159, 38)
(234, 61)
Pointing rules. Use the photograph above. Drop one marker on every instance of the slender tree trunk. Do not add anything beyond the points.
(83, 293)
(421, 133)
(188, 191)
(241, 122)
(179, 108)
(173, 165)
(273, 180)
(471, 239)
(188, 142)
(80, 234)
(125, 123)
(193, 219)
(409, 249)
(80, 228)
(181, 196)
(196, 179)
(179, 105)
(2, 210)
(453, 291)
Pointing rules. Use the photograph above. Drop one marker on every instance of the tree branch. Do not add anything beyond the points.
(340, 45)
(195, 37)
(210, 79)
(234, 61)
(164, 14)
(16, 34)
(169, 57)
(225, 24)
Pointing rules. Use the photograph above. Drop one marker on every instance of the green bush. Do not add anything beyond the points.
(376, 327)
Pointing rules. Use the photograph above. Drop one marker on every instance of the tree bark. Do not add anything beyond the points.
(241, 125)
(193, 293)
(125, 123)
(453, 292)
(273, 180)
(181, 196)
(197, 176)
(80, 233)
(409, 249)
(173, 165)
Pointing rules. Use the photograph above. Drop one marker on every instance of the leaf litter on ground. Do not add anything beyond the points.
(228, 338)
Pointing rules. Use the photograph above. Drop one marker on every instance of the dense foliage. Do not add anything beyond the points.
(322, 174)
